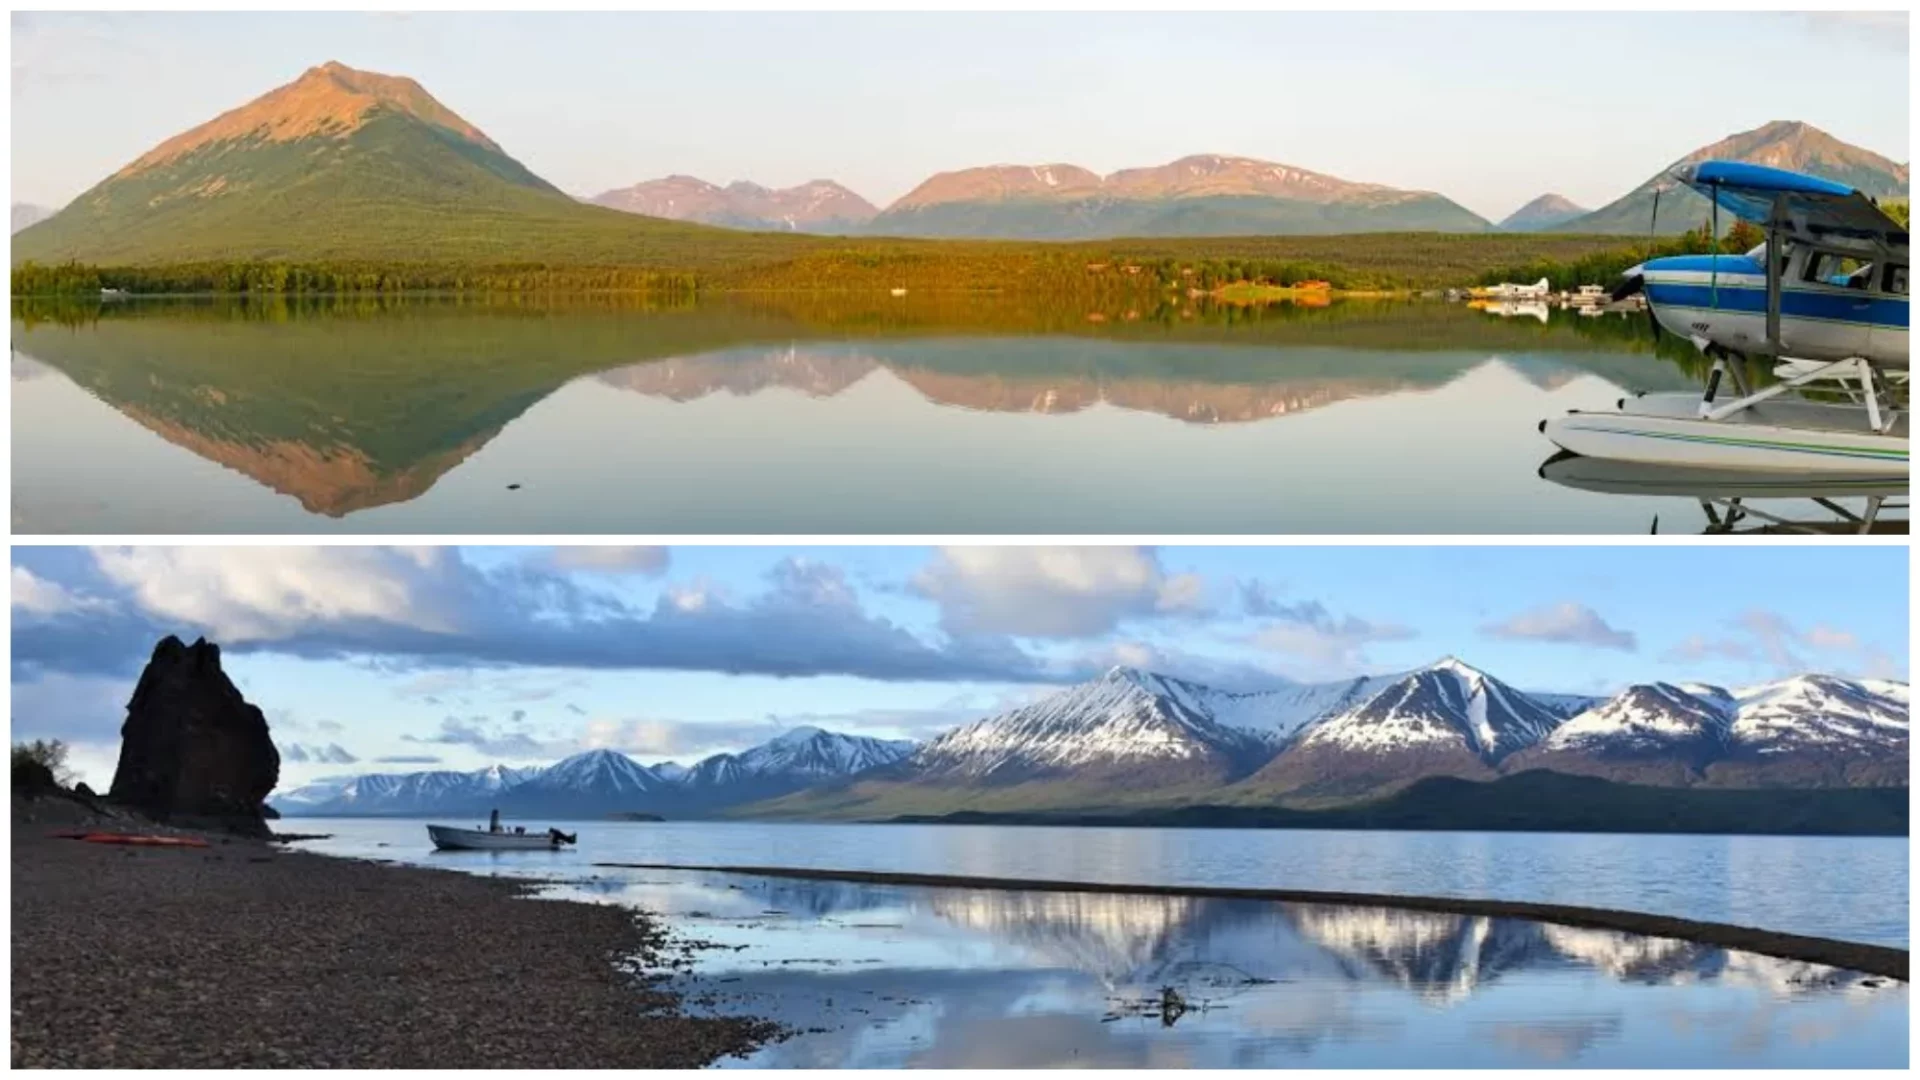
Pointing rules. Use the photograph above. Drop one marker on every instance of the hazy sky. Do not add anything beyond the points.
(1489, 109)
(386, 659)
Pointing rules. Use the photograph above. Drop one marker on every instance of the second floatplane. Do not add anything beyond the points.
(1824, 299)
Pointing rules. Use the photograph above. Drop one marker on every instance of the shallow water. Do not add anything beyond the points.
(898, 976)
(1849, 888)
(466, 418)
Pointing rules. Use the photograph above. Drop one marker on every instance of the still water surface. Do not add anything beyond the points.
(900, 976)
(1852, 888)
(442, 417)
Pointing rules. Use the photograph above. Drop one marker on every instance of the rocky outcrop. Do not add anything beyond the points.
(193, 751)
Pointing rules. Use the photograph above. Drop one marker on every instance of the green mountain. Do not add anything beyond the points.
(1202, 195)
(1549, 211)
(349, 165)
(1781, 144)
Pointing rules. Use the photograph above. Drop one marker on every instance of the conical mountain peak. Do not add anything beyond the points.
(330, 100)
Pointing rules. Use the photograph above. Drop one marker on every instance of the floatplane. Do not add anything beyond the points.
(1824, 298)
(1507, 290)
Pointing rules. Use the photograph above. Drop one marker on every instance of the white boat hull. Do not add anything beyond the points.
(1777, 436)
(447, 838)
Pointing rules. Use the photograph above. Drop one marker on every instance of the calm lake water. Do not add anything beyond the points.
(899, 976)
(1852, 888)
(456, 417)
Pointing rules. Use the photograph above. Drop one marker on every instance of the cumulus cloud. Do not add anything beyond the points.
(1768, 640)
(243, 595)
(1052, 592)
(1329, 644)
(653, 736)
(429, 608)
(36, 596)
(1565, 623)
(631, 559)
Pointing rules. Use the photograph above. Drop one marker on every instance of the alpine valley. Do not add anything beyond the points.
(1132, 741)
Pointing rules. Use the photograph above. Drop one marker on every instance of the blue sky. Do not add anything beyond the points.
(394, 659)
(1490, 109)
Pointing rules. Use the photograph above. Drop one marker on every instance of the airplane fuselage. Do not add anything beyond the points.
(1722, 299)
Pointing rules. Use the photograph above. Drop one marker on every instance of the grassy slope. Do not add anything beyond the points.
(401, 192)
(1547, 802)
(397, 190)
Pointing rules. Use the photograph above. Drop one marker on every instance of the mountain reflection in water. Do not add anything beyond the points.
(422, 417)
(900, 976)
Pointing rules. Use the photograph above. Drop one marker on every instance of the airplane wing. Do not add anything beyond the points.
(1815, 208)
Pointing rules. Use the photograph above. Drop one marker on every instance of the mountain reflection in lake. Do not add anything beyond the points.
(463, 417)
(896, 976)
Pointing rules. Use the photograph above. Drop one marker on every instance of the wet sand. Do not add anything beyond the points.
(1871, 959)
(245, 955)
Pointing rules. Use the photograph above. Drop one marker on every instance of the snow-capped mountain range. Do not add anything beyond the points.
(1142, 731)
(599, 782)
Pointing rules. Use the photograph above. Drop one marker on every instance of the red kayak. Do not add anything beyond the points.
(135, 839)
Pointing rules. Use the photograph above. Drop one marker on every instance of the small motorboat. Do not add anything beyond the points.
(497, 838)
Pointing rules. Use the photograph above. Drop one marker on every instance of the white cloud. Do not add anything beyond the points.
(1331, 645)
(408, 609)
(1769, 640)
(632, 559)
(265, 593)
(1565, 623)
(38, 596)
(1055, 592)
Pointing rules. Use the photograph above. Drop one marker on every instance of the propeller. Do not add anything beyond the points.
(1627, 285)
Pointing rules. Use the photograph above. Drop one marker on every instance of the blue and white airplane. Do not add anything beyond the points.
(1825, 297)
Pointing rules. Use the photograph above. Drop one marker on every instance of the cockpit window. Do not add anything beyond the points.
(1896, 279)
(1833, 268)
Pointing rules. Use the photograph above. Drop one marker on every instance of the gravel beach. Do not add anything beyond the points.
(244, 955)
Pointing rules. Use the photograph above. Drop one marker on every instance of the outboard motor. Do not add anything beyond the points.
(559, 837)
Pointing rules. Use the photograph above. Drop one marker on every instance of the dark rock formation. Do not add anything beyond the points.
(192, 751)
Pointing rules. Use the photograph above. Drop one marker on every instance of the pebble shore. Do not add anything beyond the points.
(245, 955)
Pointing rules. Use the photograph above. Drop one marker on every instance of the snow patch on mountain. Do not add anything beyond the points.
(1445, 703)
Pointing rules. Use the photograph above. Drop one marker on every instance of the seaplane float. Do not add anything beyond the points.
(1824, 299)
(1811, 503)
(497, 838)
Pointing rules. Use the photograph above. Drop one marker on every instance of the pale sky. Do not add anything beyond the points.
(395, 660)
(1489, 109)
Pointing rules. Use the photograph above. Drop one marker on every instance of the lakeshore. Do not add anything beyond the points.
(244, 955)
